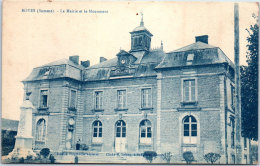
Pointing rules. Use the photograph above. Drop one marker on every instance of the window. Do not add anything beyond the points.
(233, 159)
(99, 100)
(73, 98)
(232, 121)
(121, 99)
(120, 129)
(145, 41)
(135, 41)
(146, 98)
(245, 143)
(97, 131)
(189, 90)
(245, 157)
(139, 41)
(189, 130)
(44, 99)
(145, 132)
(232, 96)
(40, 130)
(190, 58)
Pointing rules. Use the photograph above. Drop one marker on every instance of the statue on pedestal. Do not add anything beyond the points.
(23, 142)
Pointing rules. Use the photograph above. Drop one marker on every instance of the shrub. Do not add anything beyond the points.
(14, 156)
(188, 157)
(29, 157)
(45, 152)
(149, 155)
(167, 157)
(38, 156)
(21, 160)
(211, 157)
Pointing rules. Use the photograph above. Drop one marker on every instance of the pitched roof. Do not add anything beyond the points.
(56, 69)
(202, 54)
(105, 64)
(194, 46)
(154, 56)
(63, 61)
(143, 66)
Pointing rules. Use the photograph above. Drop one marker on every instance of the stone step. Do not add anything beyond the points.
(90, 159)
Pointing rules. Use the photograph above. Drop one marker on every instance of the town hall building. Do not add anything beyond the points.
(141, 100)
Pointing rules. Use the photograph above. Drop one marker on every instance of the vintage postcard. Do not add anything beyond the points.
(129, 82)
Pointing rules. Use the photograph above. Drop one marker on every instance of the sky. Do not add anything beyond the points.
(32, 39)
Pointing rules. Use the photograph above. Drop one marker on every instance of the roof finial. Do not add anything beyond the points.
(161, 45)
(142, 20)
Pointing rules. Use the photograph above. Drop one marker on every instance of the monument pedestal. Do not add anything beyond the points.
(22, 142)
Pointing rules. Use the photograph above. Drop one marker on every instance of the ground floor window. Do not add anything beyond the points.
(40, 130)
(145, 132)
(233, 159)
(97, 132)
(189, 130)
(245, 157)
(120, 139)
(120, 129)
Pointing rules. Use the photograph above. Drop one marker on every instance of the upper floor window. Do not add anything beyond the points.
(146, 98)
(97, 131)
(145, 132)
(232, 95)
(99, 100)
(40, 130)
(245, 143)
(232, 121)
(44, 98)
(189, 90)
(73, 98)
(189, 130)
(190, 58)
(121, 99)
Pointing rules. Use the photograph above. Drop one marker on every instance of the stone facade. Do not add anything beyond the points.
(141, 100)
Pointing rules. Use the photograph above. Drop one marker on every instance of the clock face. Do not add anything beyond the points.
(71, 121)
(123, 60)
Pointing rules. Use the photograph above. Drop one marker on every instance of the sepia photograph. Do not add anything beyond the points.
(128, 82)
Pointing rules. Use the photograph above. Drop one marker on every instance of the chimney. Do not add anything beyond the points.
(203, 39)
(85, 63)
(102, 59)
(74, 59)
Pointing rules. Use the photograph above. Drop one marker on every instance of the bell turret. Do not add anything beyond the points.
(140, 38)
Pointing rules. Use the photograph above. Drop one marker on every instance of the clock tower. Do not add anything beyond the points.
(140, 38)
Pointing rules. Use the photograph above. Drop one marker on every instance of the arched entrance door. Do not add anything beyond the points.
(120, 139)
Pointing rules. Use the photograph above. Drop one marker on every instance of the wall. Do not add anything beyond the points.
(109, 116)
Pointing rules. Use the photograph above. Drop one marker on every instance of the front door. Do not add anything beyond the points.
(120, 140)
